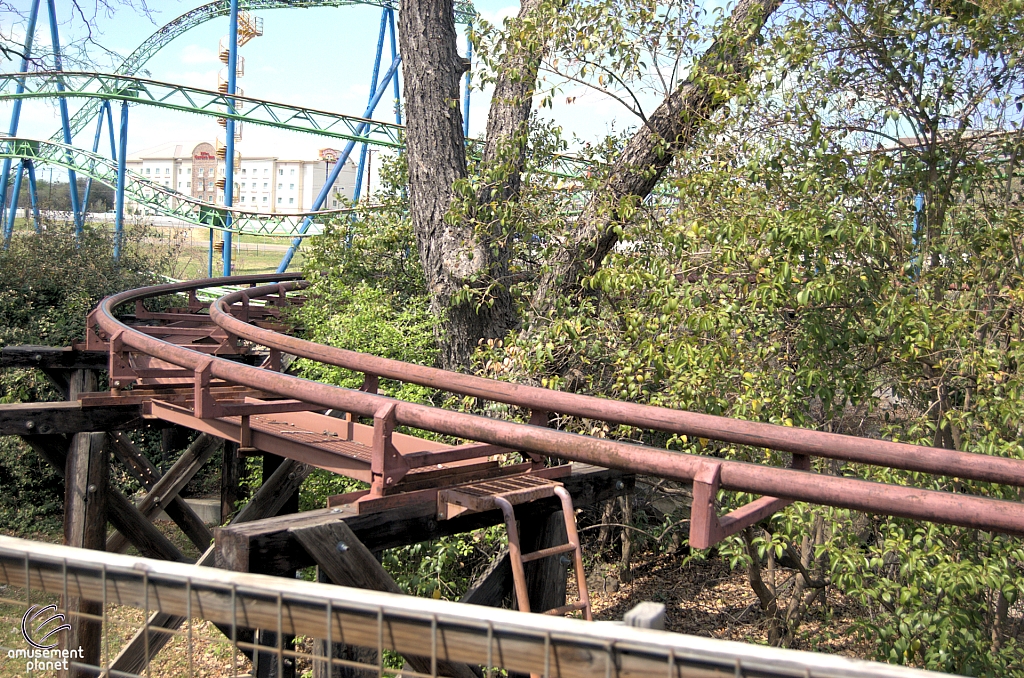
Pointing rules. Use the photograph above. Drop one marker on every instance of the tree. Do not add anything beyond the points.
(465, 259)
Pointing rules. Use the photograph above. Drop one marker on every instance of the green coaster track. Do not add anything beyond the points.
(161, 199)
(124, 85)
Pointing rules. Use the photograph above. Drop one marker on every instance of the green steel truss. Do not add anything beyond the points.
(103, 86)
(162, 199)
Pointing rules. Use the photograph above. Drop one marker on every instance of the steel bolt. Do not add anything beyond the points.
(564, 560)
(342, 547)
(30, 424)
(619, 485)
(92, 488)
(38, 357)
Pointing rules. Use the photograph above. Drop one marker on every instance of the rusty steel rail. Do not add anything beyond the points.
(779, 485)
(736, 431)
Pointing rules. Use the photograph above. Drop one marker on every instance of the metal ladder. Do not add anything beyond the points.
(506, 494)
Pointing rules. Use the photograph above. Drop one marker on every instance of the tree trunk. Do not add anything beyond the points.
(669, 130)
(452, 255)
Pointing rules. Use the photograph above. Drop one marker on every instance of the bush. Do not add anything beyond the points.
(48, 284)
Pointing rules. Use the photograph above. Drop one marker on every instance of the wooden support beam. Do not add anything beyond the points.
(132, 657)
(121, 512)
(85, 526)
(267, 546)
(347, 562)
(143, 470)
(167, 488)
(52, 357)
(264, 504)
(66, 417)
(275, 493)
(493, 584)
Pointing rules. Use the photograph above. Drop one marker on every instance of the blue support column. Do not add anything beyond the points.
(229, 160)
(326, 190)
(469, 77)
(18, 174)
(356, 191)
(122, 156)
(64, 118)
(95, 147)
(30, 32)
(916, 235)
(394, 57)
(110, 128)
(34, 195)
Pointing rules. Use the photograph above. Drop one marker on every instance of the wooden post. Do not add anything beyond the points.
(85, 526)
(230, 474)
(86, 471)
(354, 653)
(545, 578)
(265, 664)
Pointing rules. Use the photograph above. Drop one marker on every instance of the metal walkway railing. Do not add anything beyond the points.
(551, 647)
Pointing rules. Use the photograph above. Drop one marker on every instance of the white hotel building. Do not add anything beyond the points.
(262, 184)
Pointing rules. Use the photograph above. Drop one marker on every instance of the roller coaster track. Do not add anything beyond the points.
(163, 199)
(464, 13)
(178, 375)
(104, 87)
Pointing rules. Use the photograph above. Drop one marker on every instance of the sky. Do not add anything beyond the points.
(317, 57)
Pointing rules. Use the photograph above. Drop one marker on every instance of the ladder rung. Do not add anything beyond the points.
(545, 553)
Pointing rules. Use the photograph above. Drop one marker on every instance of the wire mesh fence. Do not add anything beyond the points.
(77, 612)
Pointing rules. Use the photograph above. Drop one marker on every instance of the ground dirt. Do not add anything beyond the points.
(706, 598)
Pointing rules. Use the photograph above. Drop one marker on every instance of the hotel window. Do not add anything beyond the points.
(280, 172)
(291, 187)
(264, 198)
(291, 201)
(264, 185)
(293, 171)
(280, 186)
(188, 184)
(188, 171)
(278, 201)
(147, 170)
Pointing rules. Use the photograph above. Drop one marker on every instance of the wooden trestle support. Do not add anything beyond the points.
(419, 489)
